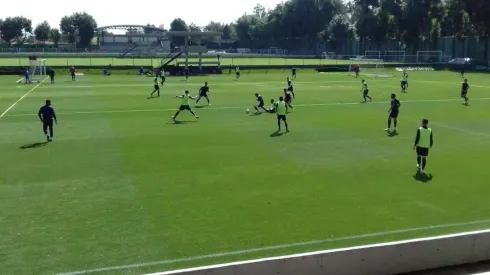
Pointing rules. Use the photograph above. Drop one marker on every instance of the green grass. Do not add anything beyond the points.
(226, 61)
(122, 184)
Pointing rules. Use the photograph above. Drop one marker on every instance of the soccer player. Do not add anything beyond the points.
(282, 109)
(288, 98)
(404, 82)
(47, 115)
(51, 75)
(394, 109)
(293, 73)
(290, 86)
(204, 92)
(162, 76)
(365, 91)
(27, 76)
(260, 103)
(405, 74)
(423, 141)
(356, 70)
(273, 108)
(186, 72)
(185, 104)
(156, 87)
(462, 71)
(237, 72)
(464, 91)
(72, 73)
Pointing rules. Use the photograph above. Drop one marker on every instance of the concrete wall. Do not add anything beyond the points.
(387, 258)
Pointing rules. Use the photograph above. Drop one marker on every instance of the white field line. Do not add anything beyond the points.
(276, 247)
(22, 97)
(241, 107)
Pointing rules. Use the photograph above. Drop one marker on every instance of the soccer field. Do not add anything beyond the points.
(128, 61)
(125, 190)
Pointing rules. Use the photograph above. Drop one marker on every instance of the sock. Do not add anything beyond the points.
(424, 163)
(419, 160)
(395, 122)
(256, 109)
(176, 114)
(389, 123)
(279, 124)
(285, 124)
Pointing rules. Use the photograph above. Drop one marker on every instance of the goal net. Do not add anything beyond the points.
(429, 56)
(394, 56)
(370, 67)
(38, 70)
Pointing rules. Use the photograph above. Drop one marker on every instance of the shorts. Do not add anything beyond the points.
(403, 83)
(463, 94)
(281, 117)
(294, 72)
(394, 114)
(156, 87)
(203, 95)
(47, 125)
(237, 73)
(184, 107)
(421, 151)
(288, 101)
(366, 92)
(260, 105)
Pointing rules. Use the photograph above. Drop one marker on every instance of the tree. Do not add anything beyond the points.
(15, 28)
(479, 11)
(148, 28)
(338, 31)
(214, 27)
(178, 25)
(194, 28)
(226, 32)
(55, 36)
(79, 28)
(42, 31)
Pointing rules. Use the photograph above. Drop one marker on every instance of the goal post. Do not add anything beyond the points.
(429, 56)
(370, 67)
(394, 56)
(37, 70)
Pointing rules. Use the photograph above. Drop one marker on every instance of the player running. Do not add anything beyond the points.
(204, 92)
(282, 110)
(162, 76)
(46, 114)
(404, 82)
(394, 110)
(72, 73)
(356, 70)
(260, 103)
(365, 91)
(405, 74)
(293, 73)
(288, 98)
(156, 87)
(290, 87)
(237, 72)
(185, 104)
(464, 91)
(462, 68)
(423, 141)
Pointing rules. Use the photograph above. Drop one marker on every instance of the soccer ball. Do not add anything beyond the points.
(247, 111)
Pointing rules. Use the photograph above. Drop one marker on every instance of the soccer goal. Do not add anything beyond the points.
(37, 70)
(372, 55)
(429, 56)
(394, 56)
(370, 67)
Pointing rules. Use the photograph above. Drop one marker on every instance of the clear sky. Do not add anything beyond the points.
(107, 12)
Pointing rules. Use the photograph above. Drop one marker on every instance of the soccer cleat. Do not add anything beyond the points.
(197, 117)
(47, 138)
(387, 129)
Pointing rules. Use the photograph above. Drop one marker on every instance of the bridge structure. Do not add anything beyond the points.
(161, 35)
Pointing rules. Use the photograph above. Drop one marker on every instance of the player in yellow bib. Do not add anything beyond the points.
(281, 109)
(423, 141)
(185, 104)
(404, 82)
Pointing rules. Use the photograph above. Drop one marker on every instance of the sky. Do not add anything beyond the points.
(107, 12)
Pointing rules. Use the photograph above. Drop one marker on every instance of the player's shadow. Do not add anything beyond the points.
(392, 134)
(33, 145)
(152, 97)
(181, 122)
(256, 114)
(422, 177)
(200, 106)
(276, 134)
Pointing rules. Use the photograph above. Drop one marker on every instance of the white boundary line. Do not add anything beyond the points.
(240, 107)
(22, 97)
(275, 247)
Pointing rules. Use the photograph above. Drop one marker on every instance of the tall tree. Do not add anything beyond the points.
(479, 11)
(338, 31)
(42, 31)
(178, 25)
(55, 36)
(226, 32)
(214, 26)
(15, 28)
(79, 28)
(194, 28)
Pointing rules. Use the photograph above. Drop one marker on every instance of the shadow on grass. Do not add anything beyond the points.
(152, 97)
(276, 134)
(181, 122)
(255, 113)
(200, 106)
(422, 177)
(33, 145)
(392, 134)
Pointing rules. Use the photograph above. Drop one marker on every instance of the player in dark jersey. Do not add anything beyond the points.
(464, 91)
(156, 87)
(47, 115)
(260, 103)
(290, 87)
(288, 98)
(186, 72)
(394, 110)
(293, 73)
(462, 71)
(365, 91)
(204, 92)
